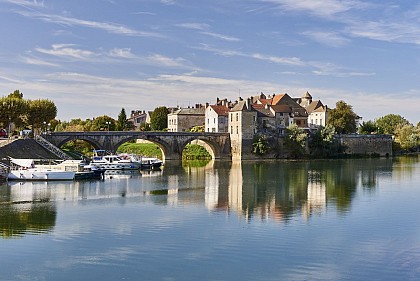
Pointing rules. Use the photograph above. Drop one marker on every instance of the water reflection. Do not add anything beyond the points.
(279, 191)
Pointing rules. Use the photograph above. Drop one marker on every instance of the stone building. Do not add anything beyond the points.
(317, 112)
(138, 117)
(242, 128)
(183, 119)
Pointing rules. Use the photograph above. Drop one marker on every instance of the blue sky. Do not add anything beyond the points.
(98, 56)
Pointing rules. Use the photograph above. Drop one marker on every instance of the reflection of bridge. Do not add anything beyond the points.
(171, 143)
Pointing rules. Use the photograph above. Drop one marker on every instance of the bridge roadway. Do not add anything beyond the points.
(171, 143)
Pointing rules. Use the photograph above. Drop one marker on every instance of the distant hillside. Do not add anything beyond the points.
(24, 148)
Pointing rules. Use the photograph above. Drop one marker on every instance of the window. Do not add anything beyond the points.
(214, 120)
(231, 130)
(237, 130)
(237, 117)
(231, 117)
(253, 119)
(208, 121)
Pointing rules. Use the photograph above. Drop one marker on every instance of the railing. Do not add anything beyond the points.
(52, 148)
(4, 169)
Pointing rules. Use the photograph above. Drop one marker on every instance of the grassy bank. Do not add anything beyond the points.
(145, 149)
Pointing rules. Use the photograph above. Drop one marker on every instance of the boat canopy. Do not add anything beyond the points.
(23, 162)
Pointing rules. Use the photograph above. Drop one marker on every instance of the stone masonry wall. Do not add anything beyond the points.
(366, 144)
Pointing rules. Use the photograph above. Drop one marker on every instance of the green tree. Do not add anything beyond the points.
(197, 129)
(103, 123)
(260, 145)
(322, 144)
(145, 127)
(389, 123)
(296, 140)
(367, 128)
(122, 123)
(39, 113)
(407, 136)
(159, 118)
(13, 110)
(343, 118)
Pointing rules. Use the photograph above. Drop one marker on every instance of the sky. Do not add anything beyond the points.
(95, 57)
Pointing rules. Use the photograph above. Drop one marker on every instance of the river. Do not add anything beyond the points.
(355, 219)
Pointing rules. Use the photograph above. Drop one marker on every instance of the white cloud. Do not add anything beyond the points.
(37, 61)
(108, 27)
(317, 7)
(166, 61)
(194, 25)
(65, 50)
(221, 36)
(25, 3)
(122, 53)
(333, 39)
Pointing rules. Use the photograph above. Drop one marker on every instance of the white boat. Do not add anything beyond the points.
(150, 163)
(114, 162)
(25, 170)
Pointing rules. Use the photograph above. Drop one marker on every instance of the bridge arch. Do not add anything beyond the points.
(163, 146)
(91, 141)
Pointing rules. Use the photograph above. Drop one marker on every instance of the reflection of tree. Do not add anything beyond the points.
(18, 219)
(283, 189)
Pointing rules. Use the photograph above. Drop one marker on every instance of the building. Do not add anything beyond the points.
(242, 127)
(216, 117)
(317, 112)
(138, 117)
(183, 119)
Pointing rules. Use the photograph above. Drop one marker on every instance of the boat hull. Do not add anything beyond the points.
(117, 166)
(35, 175)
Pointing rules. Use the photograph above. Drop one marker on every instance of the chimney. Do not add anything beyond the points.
(248, 103)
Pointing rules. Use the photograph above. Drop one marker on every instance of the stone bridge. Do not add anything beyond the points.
(171, 143)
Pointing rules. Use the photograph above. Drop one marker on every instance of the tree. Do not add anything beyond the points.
(39, 113)
(407, 136)
(322, 144)
(13, 109)
(197, 129)
(296, 140)
(342, 118)
(159, 118)
(260, 145)
(389, 123)
(103, 123)
(122, 123)
(145, 127)
(368, 128)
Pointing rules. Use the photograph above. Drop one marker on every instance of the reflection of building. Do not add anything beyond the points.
(317, 199)
(235, 187)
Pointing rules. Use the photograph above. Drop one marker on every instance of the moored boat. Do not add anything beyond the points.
(25, 170)
(114, 162)
(148, 163)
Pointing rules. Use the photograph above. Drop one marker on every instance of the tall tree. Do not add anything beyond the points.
(13, 109)
(39, 113)
(122, 121)
(159, 118)
(389, 123)
(343, 118)
(296, 140)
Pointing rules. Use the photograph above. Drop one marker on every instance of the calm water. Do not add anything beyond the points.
(319, 220)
